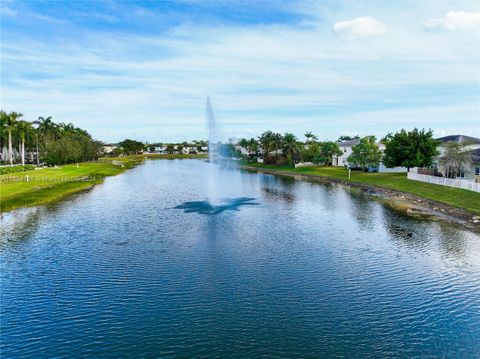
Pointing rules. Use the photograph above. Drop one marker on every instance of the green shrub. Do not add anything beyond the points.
(14, 169)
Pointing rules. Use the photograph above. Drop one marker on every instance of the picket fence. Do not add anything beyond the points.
(443, 181)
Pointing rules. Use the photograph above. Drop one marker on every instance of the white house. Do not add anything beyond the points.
(346, 148)
(470, 171)
(109, 147)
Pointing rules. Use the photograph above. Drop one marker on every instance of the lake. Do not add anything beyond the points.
(289, 269)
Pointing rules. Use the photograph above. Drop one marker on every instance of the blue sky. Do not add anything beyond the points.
(143, 69)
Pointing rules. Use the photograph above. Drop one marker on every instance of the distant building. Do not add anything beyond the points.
(468, 171)
(108, 148)
(347, 147)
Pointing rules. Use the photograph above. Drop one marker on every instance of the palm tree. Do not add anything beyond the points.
(277, 141)
(266, 142)
(243, 143)
(66, 128)
(291, 148)
(47, 129)
(24, 130)
(252, 146)
(310, 137)
(9, 122)
(3, 130)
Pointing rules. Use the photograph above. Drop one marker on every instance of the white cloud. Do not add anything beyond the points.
(282, 77)
(7, 11)
(454, 20)
(358, 28)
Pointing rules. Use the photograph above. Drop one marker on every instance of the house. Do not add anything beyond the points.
(470, 171)
(347, 146)
(109, 147)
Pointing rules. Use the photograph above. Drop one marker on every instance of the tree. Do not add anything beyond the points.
(47, 129)
(252, 146)
(348, 138)
(117, 151)
(266, 140)
(312, 153)
(25, 130)
(227, 150)
(455, 157)
(277, 141)
(180, 149)
(3, 128)
(131, 146)
(290, 147)
(170, 148)
(366, 154)
(310, 137)
(328, 150)
(410, 149)
(9, 122)
(243, 143)
(62, 143)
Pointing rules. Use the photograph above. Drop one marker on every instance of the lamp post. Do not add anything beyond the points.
(35, 126)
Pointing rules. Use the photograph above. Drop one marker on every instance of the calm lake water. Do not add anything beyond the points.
(304, 270)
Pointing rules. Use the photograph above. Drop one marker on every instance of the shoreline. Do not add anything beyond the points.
(50, 185)
(406, 202)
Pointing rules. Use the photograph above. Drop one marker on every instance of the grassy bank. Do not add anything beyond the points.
(52, 184)
(455, 197)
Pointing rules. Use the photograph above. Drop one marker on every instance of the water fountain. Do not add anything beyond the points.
(214, 197)
(223, 182)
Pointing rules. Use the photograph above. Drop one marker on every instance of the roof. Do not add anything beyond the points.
(476, 155)
(349, 143)
(459, 139)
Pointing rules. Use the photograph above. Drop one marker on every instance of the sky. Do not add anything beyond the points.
(143, 69)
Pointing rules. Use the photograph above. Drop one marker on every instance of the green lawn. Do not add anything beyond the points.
(456, 197)
(51, 184)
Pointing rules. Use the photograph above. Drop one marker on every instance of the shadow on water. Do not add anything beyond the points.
(205, 207)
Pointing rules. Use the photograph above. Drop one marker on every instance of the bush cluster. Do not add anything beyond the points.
(14, 169)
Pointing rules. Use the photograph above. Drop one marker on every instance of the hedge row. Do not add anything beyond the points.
(6, 170)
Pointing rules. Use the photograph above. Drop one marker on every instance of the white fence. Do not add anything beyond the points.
(443, 181)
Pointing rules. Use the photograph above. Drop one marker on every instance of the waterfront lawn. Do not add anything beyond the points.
(456, 197)
(50, 184)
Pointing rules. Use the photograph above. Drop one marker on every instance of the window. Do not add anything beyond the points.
(477, 171)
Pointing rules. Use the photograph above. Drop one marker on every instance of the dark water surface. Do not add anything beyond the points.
(310, 271)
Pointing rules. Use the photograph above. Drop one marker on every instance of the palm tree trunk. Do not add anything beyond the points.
(10, 149)
(23, 152)
(38, 153)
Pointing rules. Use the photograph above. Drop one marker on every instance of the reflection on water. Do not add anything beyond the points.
(296, 269)
(205, 207)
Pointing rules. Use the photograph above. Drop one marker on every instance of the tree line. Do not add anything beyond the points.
(416, 148)
(130, 147)
(279, 149)
(52, 143)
